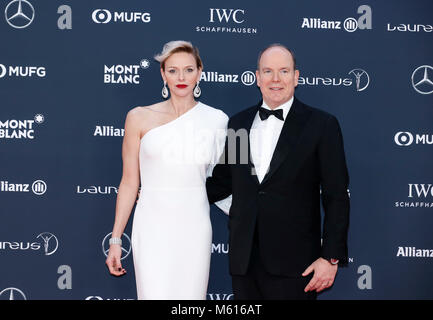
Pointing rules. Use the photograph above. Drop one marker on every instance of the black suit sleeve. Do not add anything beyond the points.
(334, 183)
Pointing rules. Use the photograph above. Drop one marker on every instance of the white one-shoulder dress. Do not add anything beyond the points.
(171, 231)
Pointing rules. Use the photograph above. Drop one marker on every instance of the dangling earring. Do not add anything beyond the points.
(197, 91)
(164, 91)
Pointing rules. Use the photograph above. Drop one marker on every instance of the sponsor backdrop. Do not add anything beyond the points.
(71, 70)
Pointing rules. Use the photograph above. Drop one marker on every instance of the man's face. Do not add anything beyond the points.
(276, 77)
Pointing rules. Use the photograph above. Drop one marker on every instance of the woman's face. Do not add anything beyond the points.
(181, 74)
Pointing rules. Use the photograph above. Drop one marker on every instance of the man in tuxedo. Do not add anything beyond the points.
(295, 158)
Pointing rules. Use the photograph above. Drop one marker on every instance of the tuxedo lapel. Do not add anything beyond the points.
(288, 140)
(247, 124)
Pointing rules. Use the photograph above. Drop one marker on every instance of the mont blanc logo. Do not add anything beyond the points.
(360, 80)
(20, 129)
(22, 71)
(105, 16)
(19, 14)
(406, 138)
(126, 245)
(349, 24)
(248, 78)
(12, 294)
(227, 21)
(422, 79)
(124, 73)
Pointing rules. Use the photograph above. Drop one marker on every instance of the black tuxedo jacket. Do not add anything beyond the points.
(308, 165)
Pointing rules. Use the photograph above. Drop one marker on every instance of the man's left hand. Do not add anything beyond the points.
(324, 275)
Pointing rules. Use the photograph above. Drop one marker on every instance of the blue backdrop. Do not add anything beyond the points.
(71, 70)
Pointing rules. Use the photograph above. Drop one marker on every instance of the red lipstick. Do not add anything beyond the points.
(181, 86)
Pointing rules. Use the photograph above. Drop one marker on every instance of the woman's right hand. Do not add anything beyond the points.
(113, 260)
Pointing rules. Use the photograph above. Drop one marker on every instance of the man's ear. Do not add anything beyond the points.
(258, 78)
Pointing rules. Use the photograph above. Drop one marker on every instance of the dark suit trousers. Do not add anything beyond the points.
(258, 284)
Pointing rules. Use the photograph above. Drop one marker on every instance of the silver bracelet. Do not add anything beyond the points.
(115, 241)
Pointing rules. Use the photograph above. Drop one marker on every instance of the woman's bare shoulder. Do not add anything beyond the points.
(147, 111)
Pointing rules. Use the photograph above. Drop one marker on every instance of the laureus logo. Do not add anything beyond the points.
(362, 79)
(50, 242)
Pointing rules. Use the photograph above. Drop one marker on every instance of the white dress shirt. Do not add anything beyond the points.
(264, 136)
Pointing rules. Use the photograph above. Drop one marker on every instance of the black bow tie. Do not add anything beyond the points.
(265, 113)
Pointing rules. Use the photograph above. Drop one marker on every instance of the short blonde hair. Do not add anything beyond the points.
(173, 47)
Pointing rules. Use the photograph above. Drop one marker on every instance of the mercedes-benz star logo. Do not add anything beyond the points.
(12, 294)
(421, 79)
(19, 13)
(126, 245)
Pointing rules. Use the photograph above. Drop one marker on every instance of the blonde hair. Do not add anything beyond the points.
(173, 47)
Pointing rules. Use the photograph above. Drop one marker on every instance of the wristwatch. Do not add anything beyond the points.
(333, 261)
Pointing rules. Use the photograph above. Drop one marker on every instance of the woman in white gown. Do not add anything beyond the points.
(170, 148)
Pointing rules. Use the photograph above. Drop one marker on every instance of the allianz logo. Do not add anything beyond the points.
(350, 24)
(413, 252)
(96, 190)
(248, 78)
(108, 131)
(38, 187)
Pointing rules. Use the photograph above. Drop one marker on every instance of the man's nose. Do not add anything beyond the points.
(276, 77)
